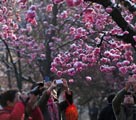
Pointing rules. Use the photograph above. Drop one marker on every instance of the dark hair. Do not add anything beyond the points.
(8, 95)
(110, 97)
(35, 89)
(40, 84)
(128, 93)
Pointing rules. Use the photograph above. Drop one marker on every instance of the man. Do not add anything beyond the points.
(107, 112)
(124, 102)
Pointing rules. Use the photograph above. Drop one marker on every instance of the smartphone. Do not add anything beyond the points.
(59, 81)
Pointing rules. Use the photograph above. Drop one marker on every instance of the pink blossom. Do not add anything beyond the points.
(134, 37)
(77, 15)
(57, 1)
(1, 18)
(119, 64)
(81, 55)
(107, 68)
(64, 15)
(129, 58)
(102, 68)
(23, 1)
(134, 70)
(126, 62)
(107, 53)
(88, 78)
(59, 73)
(57, 59)
(53, 69)
(23, 6)
(84, 59)
(4, 10)
(30, 14)
(107, 37)
(29, 61)
(51, 44)
(71, 71)
(33, 56)
(4, 35)
(15, 26)
(134, 1)
(97, 6)
(105, 60)
(96, 51)
(88, 15)
(4, 27)
(53, 64)
(126, 32)
(75, 53)
(115, 59)
(77, 64)
(72, 3)
(33, 22)
(73, 46)
(49, 7)
(42, 55)
(32, 7)
(72, 30)
(79, 69)
(4, 1)
(13, 37)
(29, 27)
(68, 65)
(109, 9)
(134, 75)
(123, 70)
(71, 80)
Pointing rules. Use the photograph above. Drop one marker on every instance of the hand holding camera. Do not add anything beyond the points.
(59, 81)
(131, 85)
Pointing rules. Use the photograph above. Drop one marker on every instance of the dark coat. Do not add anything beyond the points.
(61, 106)
(107, 113)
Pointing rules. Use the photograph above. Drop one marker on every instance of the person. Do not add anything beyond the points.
(124, 105)
(68, 110)
(15, 109)
(93, 111)
(55, 100)
(47, 102)
(107, 112)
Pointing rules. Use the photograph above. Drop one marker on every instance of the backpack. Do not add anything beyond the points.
(71, 112)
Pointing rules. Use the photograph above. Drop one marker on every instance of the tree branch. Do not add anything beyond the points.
(117, 17)
(130, 5)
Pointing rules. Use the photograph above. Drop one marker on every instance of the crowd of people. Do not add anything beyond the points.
(52, 100)
(120, 105)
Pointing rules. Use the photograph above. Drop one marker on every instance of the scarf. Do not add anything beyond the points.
(53, 109)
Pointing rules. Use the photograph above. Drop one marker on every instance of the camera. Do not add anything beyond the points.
(59, 81)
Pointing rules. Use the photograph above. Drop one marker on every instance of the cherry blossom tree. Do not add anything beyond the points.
(67, 37)
(106, 37)
(102, 34)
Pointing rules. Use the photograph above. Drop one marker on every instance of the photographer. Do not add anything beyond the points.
(47, 102)
(55, 99)
(124, 104)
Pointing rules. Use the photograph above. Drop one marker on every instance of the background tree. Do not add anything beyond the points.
(90, 43)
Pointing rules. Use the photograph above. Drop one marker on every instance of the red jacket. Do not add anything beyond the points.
(17, 112)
